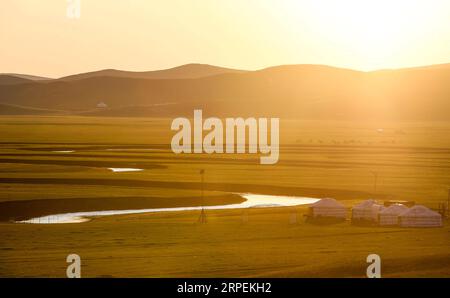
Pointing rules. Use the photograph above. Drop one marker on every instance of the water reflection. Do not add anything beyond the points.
(252, 201)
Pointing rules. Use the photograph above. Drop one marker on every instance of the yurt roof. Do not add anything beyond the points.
(395, 209)
(328, 203)
(365, 204)
(419, 210)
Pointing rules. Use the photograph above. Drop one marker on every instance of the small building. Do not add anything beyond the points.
(327, 208)
(102, 105)
(389, 216)
(366, 211)
(420, 216)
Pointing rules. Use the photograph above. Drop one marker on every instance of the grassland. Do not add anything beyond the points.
(318, 159)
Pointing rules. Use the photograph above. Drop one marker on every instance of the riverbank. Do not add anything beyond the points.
(261, 243)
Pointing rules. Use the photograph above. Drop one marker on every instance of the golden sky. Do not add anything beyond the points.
(37, 37)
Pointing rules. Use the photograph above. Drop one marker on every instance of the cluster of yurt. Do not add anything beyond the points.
(372, 212)
(327, 209)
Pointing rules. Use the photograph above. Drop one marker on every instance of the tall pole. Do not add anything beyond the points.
(202, 218)
(202, 173)
(375, 174)
(448, 204)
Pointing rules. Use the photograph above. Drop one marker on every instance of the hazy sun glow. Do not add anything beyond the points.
(378, 32)
(38, 38)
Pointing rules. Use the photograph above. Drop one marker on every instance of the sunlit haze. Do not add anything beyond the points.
(38, 38)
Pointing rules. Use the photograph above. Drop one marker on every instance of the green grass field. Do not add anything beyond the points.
(317, 159)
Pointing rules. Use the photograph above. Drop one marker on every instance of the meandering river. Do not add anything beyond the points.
(251, 201)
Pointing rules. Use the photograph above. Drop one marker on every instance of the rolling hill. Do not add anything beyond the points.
(188, 71)
(15, 78)
(6, 79)
(292, 91)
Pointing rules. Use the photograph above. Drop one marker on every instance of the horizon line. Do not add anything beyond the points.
(228, 67)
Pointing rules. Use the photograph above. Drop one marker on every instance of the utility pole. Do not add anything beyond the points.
(448, 204)
(202, 217)
(375, 174)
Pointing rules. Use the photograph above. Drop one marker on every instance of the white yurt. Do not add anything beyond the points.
(102, 105)
(420, 216)
(366, 210)
(328, 208)
(389, 216)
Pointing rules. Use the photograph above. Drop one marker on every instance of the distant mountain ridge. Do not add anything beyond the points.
(292, 91)
(187, 71)
(17, 78)
(6, 79)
